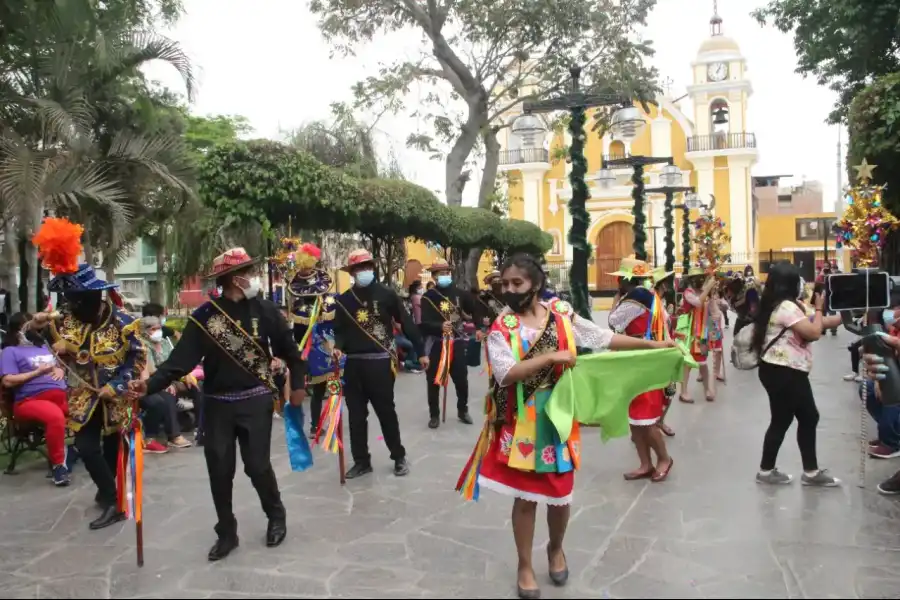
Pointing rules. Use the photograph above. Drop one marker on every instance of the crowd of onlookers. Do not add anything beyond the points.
(35, 383)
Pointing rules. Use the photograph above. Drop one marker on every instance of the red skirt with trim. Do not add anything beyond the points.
(647, 409)
(547, 488)
(715, 345)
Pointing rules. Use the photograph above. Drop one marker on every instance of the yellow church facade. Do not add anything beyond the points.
(710, 143)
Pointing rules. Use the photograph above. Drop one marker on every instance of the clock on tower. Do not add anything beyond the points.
(717, 71)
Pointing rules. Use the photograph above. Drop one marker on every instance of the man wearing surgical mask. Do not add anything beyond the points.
(364, 332)
(235, 337)
(446, 310)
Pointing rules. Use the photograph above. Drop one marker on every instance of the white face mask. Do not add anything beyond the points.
(252, 289)
(156, 336)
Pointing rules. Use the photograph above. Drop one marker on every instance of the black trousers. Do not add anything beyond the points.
(459, 373)
(250, 423)
(100, 454)
(790, 397)
(371, 381)
(315, 404)
(161, 410)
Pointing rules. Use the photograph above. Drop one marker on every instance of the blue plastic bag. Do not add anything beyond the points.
(297, 444)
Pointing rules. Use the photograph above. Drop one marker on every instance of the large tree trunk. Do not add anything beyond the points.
(86, 242)
(109, 265)
(455, 177)
(158, 292)
(11, 263)
(485, 192)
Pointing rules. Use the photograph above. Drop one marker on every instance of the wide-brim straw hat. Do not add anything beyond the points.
(631, 268)
(358, 257)
(230, 261)
(438, 265)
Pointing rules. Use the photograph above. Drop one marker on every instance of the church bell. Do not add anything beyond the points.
(720, 116)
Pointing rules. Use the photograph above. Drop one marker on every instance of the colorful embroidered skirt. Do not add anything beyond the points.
(646, 409)
(543, 468)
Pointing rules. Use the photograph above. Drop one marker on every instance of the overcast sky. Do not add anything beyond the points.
(265, 60)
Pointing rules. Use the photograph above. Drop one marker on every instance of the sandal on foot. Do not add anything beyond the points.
(660, 476)
(722, 379)
(685, 400)
(559, 578)
(638, 475)
(666, 430)
(710, 398)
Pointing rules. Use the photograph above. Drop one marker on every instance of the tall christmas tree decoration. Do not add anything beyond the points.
(710, 240)
(866, 221)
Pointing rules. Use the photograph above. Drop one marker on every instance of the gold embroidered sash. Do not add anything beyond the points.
(239, 345)
(370, 324)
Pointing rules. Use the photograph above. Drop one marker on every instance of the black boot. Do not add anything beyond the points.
(434, 422)
(275, 533)
(109, 516)
(465, 417)
(222, 548)
(358, 470)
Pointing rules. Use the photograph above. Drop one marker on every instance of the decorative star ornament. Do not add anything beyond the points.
(864, 171)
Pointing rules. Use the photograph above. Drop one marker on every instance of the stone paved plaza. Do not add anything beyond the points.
(709, 532)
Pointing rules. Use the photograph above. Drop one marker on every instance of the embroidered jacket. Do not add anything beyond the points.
(108, 355)
(313, 318)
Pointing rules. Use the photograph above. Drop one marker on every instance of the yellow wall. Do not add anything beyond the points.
(779, 231)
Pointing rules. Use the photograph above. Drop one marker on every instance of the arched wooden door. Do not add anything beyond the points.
(614, 242)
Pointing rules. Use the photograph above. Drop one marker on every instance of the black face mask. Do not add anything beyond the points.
(86, 306)
(518, 301)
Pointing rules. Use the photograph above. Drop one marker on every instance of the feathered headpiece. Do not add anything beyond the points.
(59, 246)
(308, 256)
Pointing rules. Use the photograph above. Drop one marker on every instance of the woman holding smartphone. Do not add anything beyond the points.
(782, 337)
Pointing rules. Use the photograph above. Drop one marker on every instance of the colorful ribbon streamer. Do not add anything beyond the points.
(328, 434)
(442, 375)
(130, 473)
(467, 485)
(306, 342)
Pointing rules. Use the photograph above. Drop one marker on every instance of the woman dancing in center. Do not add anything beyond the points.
(529, 346)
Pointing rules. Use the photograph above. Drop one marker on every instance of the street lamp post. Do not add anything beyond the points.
(638, 163)
(577, 102)
(653, 229)
(691, 201)
(671, 179)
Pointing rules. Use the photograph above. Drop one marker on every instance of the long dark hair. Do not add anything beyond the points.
(16, 325)
(530, 265)
(782, 283)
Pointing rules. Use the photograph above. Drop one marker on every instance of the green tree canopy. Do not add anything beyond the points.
(874, 126)
(844, 44)
(270, 183)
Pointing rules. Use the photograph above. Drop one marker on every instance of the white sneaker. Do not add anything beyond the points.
(850, 377)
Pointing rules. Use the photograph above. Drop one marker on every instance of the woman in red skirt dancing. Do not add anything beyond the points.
(519, 453)
(640, 315)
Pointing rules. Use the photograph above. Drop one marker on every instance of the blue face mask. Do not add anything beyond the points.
(444, 280)
(364, 278)
(888, 316)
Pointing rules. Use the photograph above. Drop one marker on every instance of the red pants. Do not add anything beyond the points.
(49, 408)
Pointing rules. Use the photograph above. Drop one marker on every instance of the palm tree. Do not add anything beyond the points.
(62, 149)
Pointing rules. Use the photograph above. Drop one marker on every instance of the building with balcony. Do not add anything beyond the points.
(794, 225)
(711, 146)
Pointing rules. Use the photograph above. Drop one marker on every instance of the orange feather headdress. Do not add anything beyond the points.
(59, 246)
